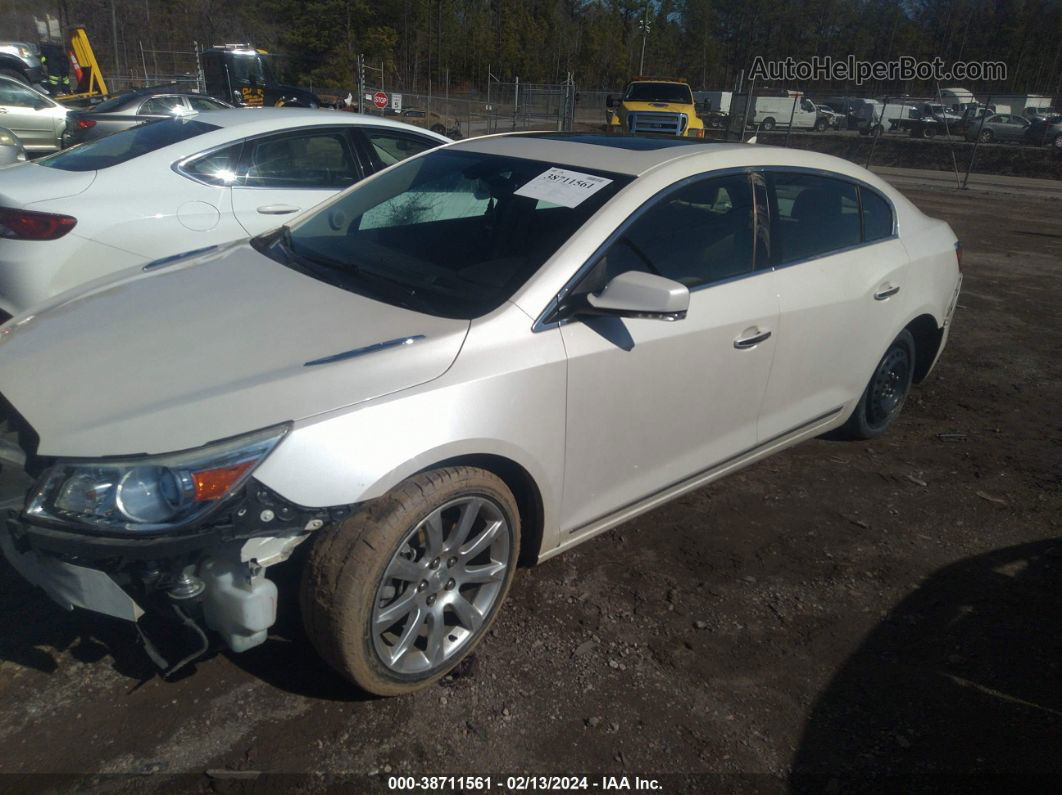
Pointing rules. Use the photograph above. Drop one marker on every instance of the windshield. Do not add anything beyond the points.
(251, 67)
(659, 92)
(127, 144)
(452, 234)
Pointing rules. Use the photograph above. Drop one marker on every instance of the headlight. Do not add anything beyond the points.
(150, 493)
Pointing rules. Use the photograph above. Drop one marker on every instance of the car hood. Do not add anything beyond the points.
(31, 182)
(207, 348)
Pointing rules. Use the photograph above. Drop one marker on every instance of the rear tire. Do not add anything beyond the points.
(438, 128)
(403, 559)
(884, 397)
(1058, 142)
(985, 137)
(768, 124)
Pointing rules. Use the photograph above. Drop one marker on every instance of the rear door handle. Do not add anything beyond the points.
(278, 209)
(743, 343)
(886, 292)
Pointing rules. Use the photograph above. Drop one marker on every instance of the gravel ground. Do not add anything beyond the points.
(841, 612)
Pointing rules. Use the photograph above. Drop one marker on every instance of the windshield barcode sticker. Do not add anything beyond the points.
(563, 187)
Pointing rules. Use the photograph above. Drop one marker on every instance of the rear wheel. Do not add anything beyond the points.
(438, 128)
(985, 136)
(768, 124)
(397, 595)
(883, 398)
(1058, 142)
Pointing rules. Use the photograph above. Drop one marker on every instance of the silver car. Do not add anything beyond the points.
(485, 354)
(1001, 127)
(38, 120)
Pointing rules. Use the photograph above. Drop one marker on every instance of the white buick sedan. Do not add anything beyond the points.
(488, 353)
(172, 185)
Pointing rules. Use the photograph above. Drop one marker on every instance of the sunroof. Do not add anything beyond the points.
(635, 143)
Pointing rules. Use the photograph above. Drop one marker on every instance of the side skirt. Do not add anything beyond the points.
(802, 432)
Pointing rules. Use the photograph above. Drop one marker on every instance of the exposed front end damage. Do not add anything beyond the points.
(173, 585)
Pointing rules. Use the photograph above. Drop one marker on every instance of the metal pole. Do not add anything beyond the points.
(792, 115)
(748, 106)
(143, 60)
(977, 142)
(874, 141)
(114, 32)
(516, 100)
(947, 132)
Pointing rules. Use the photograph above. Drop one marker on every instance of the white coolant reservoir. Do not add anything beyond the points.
(238, 606)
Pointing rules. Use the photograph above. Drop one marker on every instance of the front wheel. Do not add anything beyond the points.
(985, 136)
(438, 128)
(1058, 142)
(398, 594)
(883, 398)
(821, 125)
(768, 124)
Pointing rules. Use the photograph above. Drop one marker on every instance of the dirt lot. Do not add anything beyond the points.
(839, 612)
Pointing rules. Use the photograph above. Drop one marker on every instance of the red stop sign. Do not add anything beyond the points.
(379, 99)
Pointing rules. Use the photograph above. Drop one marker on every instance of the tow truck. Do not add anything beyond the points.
(660, 105)
(243, 75)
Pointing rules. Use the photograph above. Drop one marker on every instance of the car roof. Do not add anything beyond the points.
(266, 119)
(638, 155)
(621, 154)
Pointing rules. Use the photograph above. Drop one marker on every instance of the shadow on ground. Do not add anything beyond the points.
(961, 679)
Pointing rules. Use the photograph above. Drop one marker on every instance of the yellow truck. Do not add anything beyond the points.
(661, 105)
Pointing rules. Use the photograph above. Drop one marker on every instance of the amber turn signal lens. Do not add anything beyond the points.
(211, 484)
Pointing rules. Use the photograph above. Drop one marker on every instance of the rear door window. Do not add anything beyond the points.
(813, 216)
(388, 148)
(163, 106)
(127, 144)
(301, 159)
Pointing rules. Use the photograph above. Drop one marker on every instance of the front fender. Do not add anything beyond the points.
(504, 396)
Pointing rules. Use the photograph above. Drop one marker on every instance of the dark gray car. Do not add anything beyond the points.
(1045, 132)
(998, 127)
(135, 107)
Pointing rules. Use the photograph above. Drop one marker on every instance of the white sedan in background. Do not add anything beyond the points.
(175, 185)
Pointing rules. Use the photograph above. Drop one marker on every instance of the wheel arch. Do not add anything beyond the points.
(524, 488)
(928, 336)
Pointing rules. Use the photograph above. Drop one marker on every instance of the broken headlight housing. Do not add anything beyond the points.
(148, 494)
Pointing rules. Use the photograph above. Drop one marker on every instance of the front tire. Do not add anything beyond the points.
(398, 594)
(885, 395)
(768, 124)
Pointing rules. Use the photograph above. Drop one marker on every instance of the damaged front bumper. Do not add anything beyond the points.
(212, 577)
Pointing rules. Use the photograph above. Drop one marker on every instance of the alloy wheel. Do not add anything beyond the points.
(441, 585)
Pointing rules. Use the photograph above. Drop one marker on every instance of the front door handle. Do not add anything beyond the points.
(278, 209)
(886, 292)
(743, 343)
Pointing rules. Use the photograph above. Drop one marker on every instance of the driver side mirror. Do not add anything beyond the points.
(610, 101)
(41, 104)
(640, 295)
